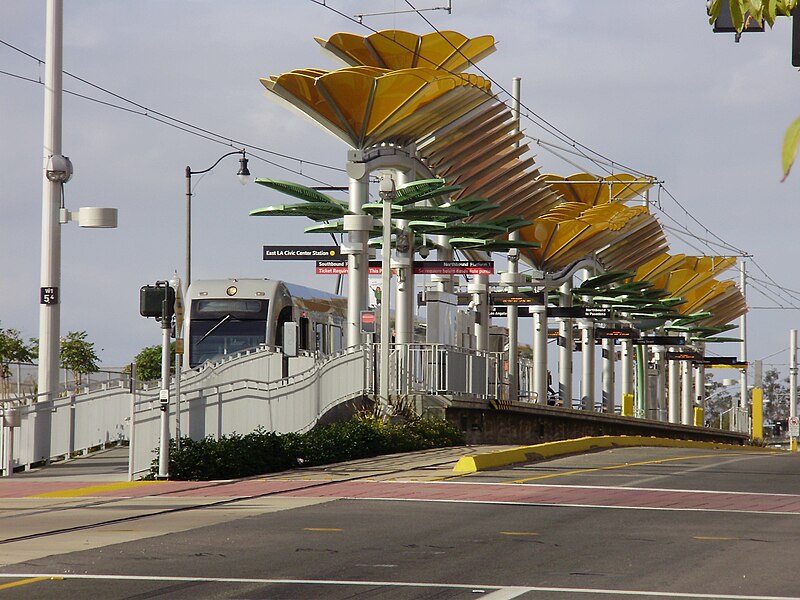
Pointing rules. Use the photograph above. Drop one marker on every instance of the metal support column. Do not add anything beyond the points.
(404, 259)
(608, 357)
(793, 382)
(357, 226)
(743, 396)
(674, 391)
(512, 314)
(687, 397)
(700, 382)
(626, 371)
(586, 327)
(565, 344)
(540, 352)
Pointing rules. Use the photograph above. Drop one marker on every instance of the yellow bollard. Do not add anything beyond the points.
(627, 405)
(698, 416)
(758, 414)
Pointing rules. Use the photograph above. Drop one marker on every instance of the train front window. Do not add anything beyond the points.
(224, 326)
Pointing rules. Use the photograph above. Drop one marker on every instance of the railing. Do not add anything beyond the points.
(436, 369)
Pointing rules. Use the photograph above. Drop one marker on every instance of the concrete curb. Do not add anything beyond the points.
(501, 458)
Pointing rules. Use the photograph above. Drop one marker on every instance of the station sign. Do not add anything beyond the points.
(722, 362)
(339, 267)
(661, 340)
(684, 355)
(502, 311)
(454, 267)
(301, 252)
(517, 299)
(580, 312)
(615, 333)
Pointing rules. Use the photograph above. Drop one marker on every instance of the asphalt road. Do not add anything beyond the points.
(622, 523)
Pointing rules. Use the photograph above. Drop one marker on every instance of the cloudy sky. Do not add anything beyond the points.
(645, 84)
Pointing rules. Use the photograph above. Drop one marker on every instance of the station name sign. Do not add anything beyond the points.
(338, 266)
(301, 252)
(661, 340)
(579, 312)
(517, 299)
(616, 333)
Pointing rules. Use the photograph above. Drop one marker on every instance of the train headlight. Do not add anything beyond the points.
(231, 291)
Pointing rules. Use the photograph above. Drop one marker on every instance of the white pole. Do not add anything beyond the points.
(512, 314)
(743, 346)
(607, 373)
(700, 381)
(587, 363)
(687, 404)
(387, 192)
(540, 351)
(793, 381)
(565, 348)
(626, 367)
(50, 312)
(673, 391)
(357, 262)
(163, 454)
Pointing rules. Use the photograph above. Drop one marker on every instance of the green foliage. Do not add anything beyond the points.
(148, 362)
(237, 455)
(78, 355)
(12, 350)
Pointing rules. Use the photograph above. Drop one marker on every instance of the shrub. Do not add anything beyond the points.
(236, 455)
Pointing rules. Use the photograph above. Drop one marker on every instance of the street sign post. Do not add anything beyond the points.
(794, 427)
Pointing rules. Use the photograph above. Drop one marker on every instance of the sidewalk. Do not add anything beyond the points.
(104, 465)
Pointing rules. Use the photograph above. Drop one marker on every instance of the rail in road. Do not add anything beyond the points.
(625, 522)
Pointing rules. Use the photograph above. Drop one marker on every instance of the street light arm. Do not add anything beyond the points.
(189, 171)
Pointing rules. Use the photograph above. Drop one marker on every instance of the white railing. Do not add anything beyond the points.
(436, 369)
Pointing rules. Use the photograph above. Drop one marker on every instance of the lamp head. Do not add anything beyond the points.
(386, 186)
(244, 172)
(59, 168)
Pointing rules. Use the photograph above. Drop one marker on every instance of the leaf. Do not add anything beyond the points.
(737, 14)
(790, 141)
(713, 11)
(771, 7)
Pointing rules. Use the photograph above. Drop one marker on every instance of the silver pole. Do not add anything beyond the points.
(587, 363)
(626, 369)
(793, 381)
(608, 354)
(673, 390)
(687, 405)
(404, 310)
(700, 381)
(512, 315)
(163, 451)
(358, 261)
(387, 192)
(565, 342)
(743, 344)
(540, 351)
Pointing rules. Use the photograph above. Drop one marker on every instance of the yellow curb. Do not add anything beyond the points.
(90, 490)
(501, 458)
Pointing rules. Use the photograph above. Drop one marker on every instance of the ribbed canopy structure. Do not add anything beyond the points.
(410, 90)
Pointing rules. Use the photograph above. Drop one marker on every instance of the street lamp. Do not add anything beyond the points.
(244, 177)
(388, 193)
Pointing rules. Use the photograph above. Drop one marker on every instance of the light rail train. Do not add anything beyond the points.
(227, 316)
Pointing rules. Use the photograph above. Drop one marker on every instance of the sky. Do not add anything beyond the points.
(644, 84)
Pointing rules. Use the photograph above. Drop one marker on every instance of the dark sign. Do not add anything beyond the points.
(579, 312)
(661, 340)
(516, 299)
(597, 312)
(502, 311)
(616, 333)
(722, 361)
(301, 252)
(368, 321)
(684, 355)
(339, 267)
(454, 267)
(48, 295)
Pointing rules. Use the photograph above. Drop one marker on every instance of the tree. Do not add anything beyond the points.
(776, 396)
(12, 350)
(148, 362)
(78, 355)
(742, 11)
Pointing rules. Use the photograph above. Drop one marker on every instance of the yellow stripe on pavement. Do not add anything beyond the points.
(6, 586)
(91, 490)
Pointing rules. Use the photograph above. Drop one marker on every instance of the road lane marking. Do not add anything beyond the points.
(619, 466)
(27, 581)
(90, 490)
(518, 590)
(518, 533)
(322, 529)
(714, 538)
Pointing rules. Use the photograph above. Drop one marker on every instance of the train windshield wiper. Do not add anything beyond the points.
(215, 327)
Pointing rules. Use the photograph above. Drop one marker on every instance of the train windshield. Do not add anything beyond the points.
(222, 326)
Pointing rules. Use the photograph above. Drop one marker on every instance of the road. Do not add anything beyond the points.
(620, 523)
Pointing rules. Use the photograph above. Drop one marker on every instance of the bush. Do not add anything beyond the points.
(235, 455)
